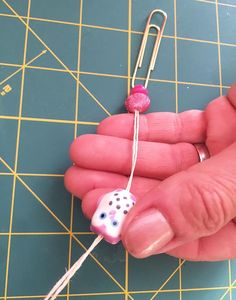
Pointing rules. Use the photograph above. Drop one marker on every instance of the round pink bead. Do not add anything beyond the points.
(139, 88)
(137, 101)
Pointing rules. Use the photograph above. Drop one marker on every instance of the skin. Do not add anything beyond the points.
(185, 208)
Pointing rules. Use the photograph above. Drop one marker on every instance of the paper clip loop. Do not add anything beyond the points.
(160, 31)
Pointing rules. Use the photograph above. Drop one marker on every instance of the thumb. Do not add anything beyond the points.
(187, 206)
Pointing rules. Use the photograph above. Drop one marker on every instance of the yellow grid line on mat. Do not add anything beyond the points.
(56, 57)
(180, 279)
(121, 293)
(218, 45)
(105, 270)
(63, 295)
(122, 30)
(70, 244)
(221, 93)
(219, 3)
(176, 58)
(33, 119)
(49, 233)
(33, 174)
(23, 66)
(5, 174)
(16, 153)
(183, 290)
(33, 233)
(78, 68)
(177, 109)
(75, 134)
(167, 280)
(230, 279)
(229, 290)
(63, 225)
(40, 174)
(120, 76)
(129, 3)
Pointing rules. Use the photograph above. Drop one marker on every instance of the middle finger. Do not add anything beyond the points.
(112, 154)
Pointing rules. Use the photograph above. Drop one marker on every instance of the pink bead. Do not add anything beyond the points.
(137, 101)
(139, 88)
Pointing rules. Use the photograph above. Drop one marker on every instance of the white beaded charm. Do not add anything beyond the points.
(110, 214)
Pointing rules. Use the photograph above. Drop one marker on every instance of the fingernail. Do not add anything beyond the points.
(148, 233)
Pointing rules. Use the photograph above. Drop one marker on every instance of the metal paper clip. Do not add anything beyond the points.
(159, 31)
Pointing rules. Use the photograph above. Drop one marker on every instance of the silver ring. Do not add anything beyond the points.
(202, 151)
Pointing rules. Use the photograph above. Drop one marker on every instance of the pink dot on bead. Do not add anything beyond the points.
(137, 101)
(139, 88)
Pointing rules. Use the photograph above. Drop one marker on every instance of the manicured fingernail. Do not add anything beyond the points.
(148, 233)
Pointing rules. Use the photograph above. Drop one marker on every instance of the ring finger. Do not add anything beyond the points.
(81, 181)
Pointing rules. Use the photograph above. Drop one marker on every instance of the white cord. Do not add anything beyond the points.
(62, 283)
(134, 149)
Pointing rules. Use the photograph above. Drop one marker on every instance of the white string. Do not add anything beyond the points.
(61, 284)
(134, 149)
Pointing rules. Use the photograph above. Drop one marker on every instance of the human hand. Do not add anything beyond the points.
(184, 208)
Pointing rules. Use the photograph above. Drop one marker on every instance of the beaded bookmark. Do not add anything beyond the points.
(113, 207)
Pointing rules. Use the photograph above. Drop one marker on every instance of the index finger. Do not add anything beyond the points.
(166, 127)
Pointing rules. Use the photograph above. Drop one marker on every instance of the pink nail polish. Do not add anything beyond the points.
(148, 233)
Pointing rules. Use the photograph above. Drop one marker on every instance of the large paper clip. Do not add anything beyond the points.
(159, 31)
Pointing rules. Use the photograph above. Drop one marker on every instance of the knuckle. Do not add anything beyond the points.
(209, 200)
(178, 127)
(179, 156)
(102, 126)
(146, 128)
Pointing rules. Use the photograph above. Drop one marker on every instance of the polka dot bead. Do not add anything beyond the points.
(138, 99)
(110, 214)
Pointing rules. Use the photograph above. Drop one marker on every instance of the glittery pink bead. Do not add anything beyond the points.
(137, 101)
(139, 88)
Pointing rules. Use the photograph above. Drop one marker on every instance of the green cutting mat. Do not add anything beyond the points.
(42, 108)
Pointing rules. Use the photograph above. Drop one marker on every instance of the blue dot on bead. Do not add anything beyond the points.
(114, 223)
(103, 215)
